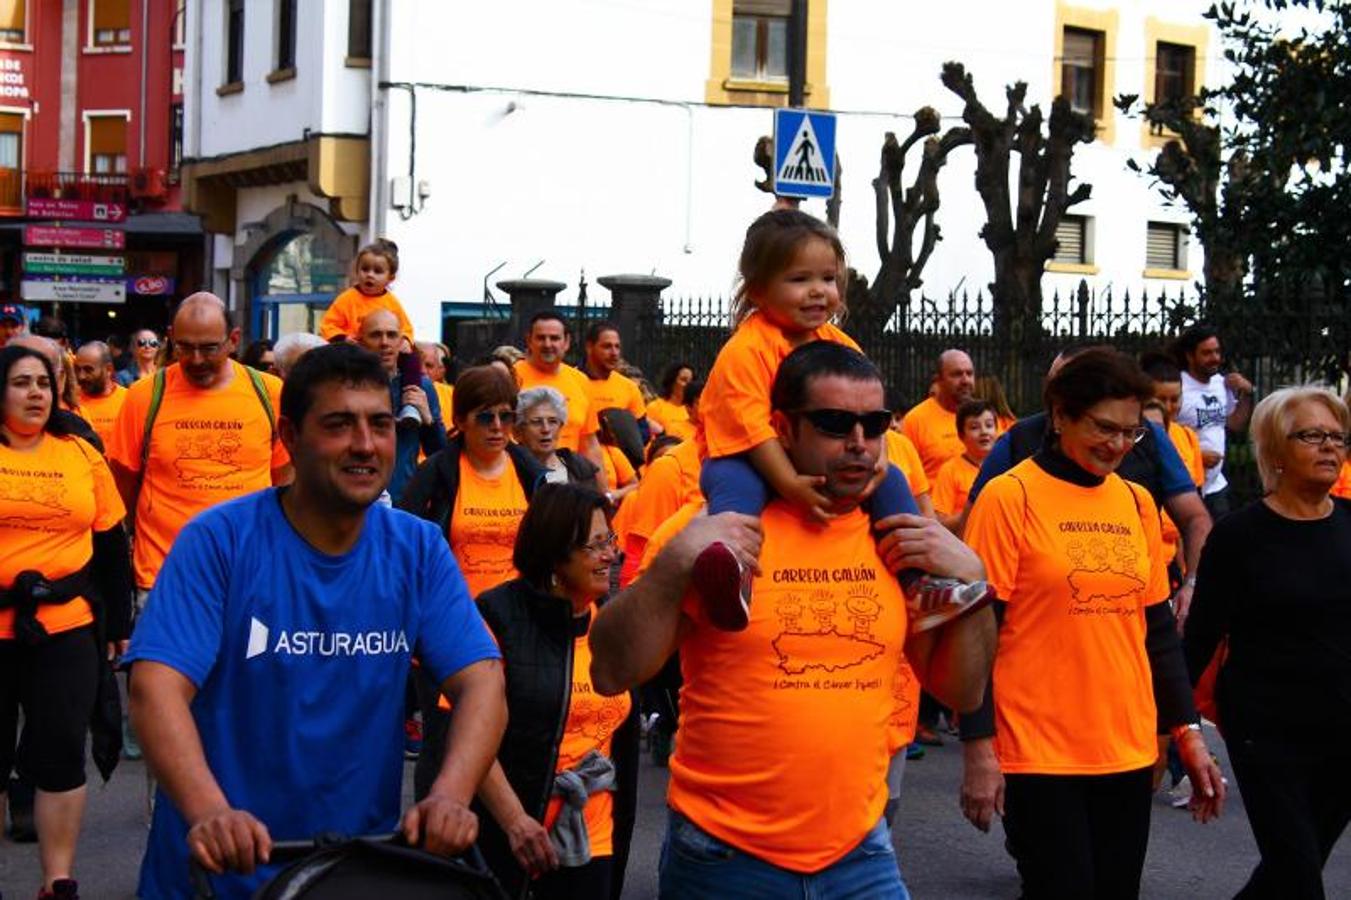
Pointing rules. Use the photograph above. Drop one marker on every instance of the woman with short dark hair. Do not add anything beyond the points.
(65, 602)
(671, 411)
(1089, 669)
(476, 491)
(561, 798)
(1273, 596)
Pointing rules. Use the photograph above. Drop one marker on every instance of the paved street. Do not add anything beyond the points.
(941, 855)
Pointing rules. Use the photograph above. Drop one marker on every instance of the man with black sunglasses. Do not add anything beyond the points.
(778, 782)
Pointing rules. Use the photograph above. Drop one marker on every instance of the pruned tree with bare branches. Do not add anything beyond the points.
(902, 213)
(1020, 231)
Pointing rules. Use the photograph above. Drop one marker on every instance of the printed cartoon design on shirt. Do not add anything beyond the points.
(1211, 413)
(593, 716)
(829, 647)
(1104, 574)
(32, 496)
(903, 694)
(208, 457)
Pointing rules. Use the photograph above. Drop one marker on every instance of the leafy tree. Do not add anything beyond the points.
(1267, 191)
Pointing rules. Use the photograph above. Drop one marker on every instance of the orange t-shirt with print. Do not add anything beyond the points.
(207, 446)
(669, 483)
(344, 314)
(591, 724)
(934, 432)
(953, 484)
(488, 513)
(674, 418)
(734, 407)
(571, 383)
(618, 470)
(101, 412)
(52, 500)
(1343, 486)
(787, 727)
(615, 391)
(1076, 567)
(902, 454)
(445, 395)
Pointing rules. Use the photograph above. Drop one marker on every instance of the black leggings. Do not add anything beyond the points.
(588, 882)
(55, 683)
(1298, 799)
(1078, 837)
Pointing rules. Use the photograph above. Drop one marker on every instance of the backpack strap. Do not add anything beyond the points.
(259, 388)
(156, 400)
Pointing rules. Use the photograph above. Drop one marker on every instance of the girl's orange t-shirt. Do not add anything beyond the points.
(344, 315)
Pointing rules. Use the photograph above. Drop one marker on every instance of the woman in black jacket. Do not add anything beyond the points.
(560, 800)
(1274, 585)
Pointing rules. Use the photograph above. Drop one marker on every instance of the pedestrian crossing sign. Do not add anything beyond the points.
(804, 153)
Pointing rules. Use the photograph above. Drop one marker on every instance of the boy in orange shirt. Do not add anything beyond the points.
(978, 427)
(376, 265)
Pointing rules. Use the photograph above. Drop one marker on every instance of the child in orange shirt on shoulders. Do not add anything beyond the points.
(376, 265)
(791, 268)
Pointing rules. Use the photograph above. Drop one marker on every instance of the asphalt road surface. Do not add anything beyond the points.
(941, 855)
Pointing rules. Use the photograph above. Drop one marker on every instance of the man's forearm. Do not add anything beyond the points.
(954, 661)
(591, 450)
(496, 793)
(162, 719)
(477, 721)
(1192, 520)
(636, 632)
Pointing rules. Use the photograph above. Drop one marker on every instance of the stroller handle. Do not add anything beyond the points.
(284, 852)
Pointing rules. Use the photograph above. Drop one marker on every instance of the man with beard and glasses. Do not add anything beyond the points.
(196, 433)
(267, 671)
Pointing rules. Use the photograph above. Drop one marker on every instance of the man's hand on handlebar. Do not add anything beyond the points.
(440, 825)
(229, 839)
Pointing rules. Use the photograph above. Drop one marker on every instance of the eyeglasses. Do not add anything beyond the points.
(548, 421)
(600, 545)
(185, 349)
(1316, 437)
(486, 417)
(147, 342)
(839, 423)
(1110, 431)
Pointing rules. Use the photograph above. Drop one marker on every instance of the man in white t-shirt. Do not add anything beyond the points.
(1211, 404)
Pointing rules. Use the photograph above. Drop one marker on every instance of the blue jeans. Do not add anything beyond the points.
(695, 865)
(731, 484)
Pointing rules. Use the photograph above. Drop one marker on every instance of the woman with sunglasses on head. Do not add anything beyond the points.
(476, 491)
(561, 798)
(145, 358)
(1089, 671)
(1273, 607)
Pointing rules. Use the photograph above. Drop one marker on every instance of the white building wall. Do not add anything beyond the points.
(575, 132)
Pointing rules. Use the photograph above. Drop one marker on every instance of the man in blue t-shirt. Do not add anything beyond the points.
(269, 665)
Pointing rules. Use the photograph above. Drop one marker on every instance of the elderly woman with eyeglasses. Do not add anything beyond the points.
(541, 414)
(1272, 607)
(561, 798)
(1089, 669)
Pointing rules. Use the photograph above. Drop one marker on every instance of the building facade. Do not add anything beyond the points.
(91, 111)
(492, 140)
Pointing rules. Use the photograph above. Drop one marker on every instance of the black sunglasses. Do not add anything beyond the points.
(486, 417)
(147, 342)
(839, 423)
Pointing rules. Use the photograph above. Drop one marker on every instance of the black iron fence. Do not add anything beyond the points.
(1295, 341)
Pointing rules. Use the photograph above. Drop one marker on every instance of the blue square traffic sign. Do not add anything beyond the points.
(804, 153)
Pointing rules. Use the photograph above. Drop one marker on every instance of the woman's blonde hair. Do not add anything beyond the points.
(1273, 418)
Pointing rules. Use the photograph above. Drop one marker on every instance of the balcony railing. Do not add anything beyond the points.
(17, 187)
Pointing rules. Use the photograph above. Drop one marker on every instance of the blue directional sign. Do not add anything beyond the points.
(804, 153)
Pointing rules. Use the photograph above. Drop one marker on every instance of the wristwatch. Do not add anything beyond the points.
(1178, 732)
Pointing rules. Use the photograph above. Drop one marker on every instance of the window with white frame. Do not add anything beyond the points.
(13, 21)
(1166, 246)
(760, 40)
(107, 144)
(109, 23)
(1074, 246)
